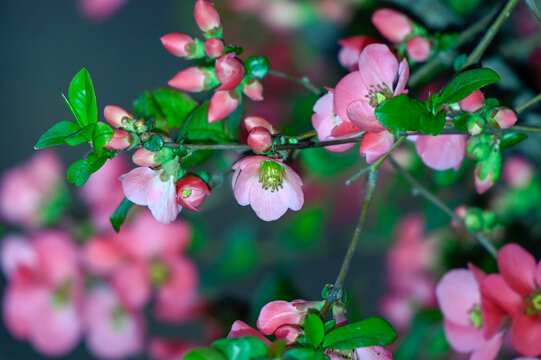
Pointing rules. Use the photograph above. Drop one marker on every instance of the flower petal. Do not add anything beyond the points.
(166, 209)
(348, 90)
(377, 66)
(246, 179)
(462, 338)
(496, 289)
(441, 152)
(526, 335)
(137, 184)
(518, 268)
(457, 294)
(361, 113)
(403, 75)
(488, 349)
(267, 205)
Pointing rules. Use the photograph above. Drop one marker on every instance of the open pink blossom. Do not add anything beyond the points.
(459, 299)
(268, 185)
(379, 78)
(517, 292)
(42, 299)
(393, 25)
(147, 187)
(441, 152)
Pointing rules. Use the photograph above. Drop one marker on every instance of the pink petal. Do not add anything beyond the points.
(102, 256)
(276, 314)
(361, 114)
(21, 302)
(463, 338)
(526, 335)
(538, 274)
(373, 353)
(493, 317)
(496, 289)
(458, 293)
(241, 329)
(132, 284)
(57, 256)
(166, 209)
(324, 105)
(376, 144)
(267, 205)
(518, 268)
(16, 251)
(138, 183)
(393, 25)
(488, 349)
(294, 191)
(441, 152)
(288, 333)
(221, 105)
(377, 66)
(348, 90)
(247, 178)
(403, 75)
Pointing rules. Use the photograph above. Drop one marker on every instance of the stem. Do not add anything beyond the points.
(420, 189)
(489, 35)
(336, 293)
(304, 81)
(526, 105)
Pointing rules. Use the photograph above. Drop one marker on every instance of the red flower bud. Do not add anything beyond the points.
(206, 16)
(259, 139)
(253, 89)
(177, 44)
(117, 117)
(503, 117)
(121, 140)
(191, 192)
(252, 122)
(214, 48)
(394, 26)
(193, 79)
(472, 102)
(229, 71)
(222, 103)
(419, 48)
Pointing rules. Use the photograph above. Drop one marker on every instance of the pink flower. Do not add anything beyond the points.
(268, 185)
(99, 10)
(358, 94)
(503, 117)
(460, 302)
(441, 152)
(222, 104)
(251, 122)
(419, 48)
(241, 329)
(146, 187)
(41, 302)
(394, 26)
(206, 16)
(351, 48)
(516, 291)
(376, 144)
(229, 71)
(472, 102)
(191, 192)
(518, 172)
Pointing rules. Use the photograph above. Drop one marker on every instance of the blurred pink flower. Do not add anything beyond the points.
(518, 172)
(167, 349)
(99, 10)
(393, 25)
(441, 152)
(268, 185)
(351, 48)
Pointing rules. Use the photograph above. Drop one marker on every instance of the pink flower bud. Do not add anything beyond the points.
(503, 117)
(252, 122)
(206, 16)
(121, 140)
(144, 157)
(352, 47)
(472, 102)
(288, 333)
(259, 139)
(394, 26)
(116, 116)
(518, 172)
(221, 105)
(191, 192)
(177, 44)
(214, 48)
(375, 145)
(253, 89)
(482, 185)
(192, 79)
(461, 211)
(229, 71)
(276, 314)
(419, 48)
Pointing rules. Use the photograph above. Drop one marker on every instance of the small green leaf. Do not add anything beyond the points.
(314, 331)
(154, 143)
(300, 353)
(257, 66)
(401, 113)
(101, 136)
(432, 125)
(460, 121)
(491, 165)
(166, 106)
(369, 332)
(80, 136)
(204, 354)
(243, 348)
(80, 171)
(466, 83)
(511, 139)
(329, 325)
(82, 100)
(197, 128)
(56, 134)
(119, 216)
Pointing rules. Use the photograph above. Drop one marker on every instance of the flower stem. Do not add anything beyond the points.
(526, 105)
(304, 81)
(421, 190)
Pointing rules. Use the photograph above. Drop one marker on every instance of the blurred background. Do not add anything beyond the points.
(240, 261)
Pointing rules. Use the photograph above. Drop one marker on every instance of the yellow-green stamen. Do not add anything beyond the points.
(476, 317)
(271, 176)
(378, 94)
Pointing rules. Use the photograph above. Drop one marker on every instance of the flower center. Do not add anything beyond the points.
(158, 273)
(476, 317)
(271, 176)
(61, 296)
(533, 303)
(186, 192)
(378, 94)
(118, 318)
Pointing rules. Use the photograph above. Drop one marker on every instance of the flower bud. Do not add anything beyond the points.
(206, 16)
(222, 103)
(253, 89)
(229, 71)
(193, 79)
(472, 102)
(252, 122)
(473, 220)
(476, 125)
(279, 313)
(121, 140)
(482, 185)
(144, 157)
(503, 117)
(214, 48)
(394, 26)
(351, 48)
(191, 192)
(117, 117)
(288, 333)
(180, 45)
(518, 172)
(461, 211)
(419, 49)
(259, 139)
(140, 126)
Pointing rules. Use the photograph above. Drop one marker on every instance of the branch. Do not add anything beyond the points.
(304, 81)
(420, 189)
(526, 105)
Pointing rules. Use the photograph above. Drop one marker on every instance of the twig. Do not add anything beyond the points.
(420, 189)
(526, 105)
(304, 81)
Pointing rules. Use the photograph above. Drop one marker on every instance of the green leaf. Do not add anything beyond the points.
(511, 139)
(460, 121)
(197, 128)
(369, 332)
(80, 171)
(466, 83)
(300, 353)
(154, 143)
(119, 216)
(243, 348)
(80, 136)
(314, 331)
(101, 136)
(56, 134)
(432, 125)
(82, 99)
(491, 165)
(329, 325)
(401, 113)
(257, 66)
(165, 106)
(204, 354)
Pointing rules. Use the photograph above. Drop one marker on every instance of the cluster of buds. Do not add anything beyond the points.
(404, 32)
(476, 219)
(228, 75)
(126, 126)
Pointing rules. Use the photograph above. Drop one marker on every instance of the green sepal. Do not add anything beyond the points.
(258, 66)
